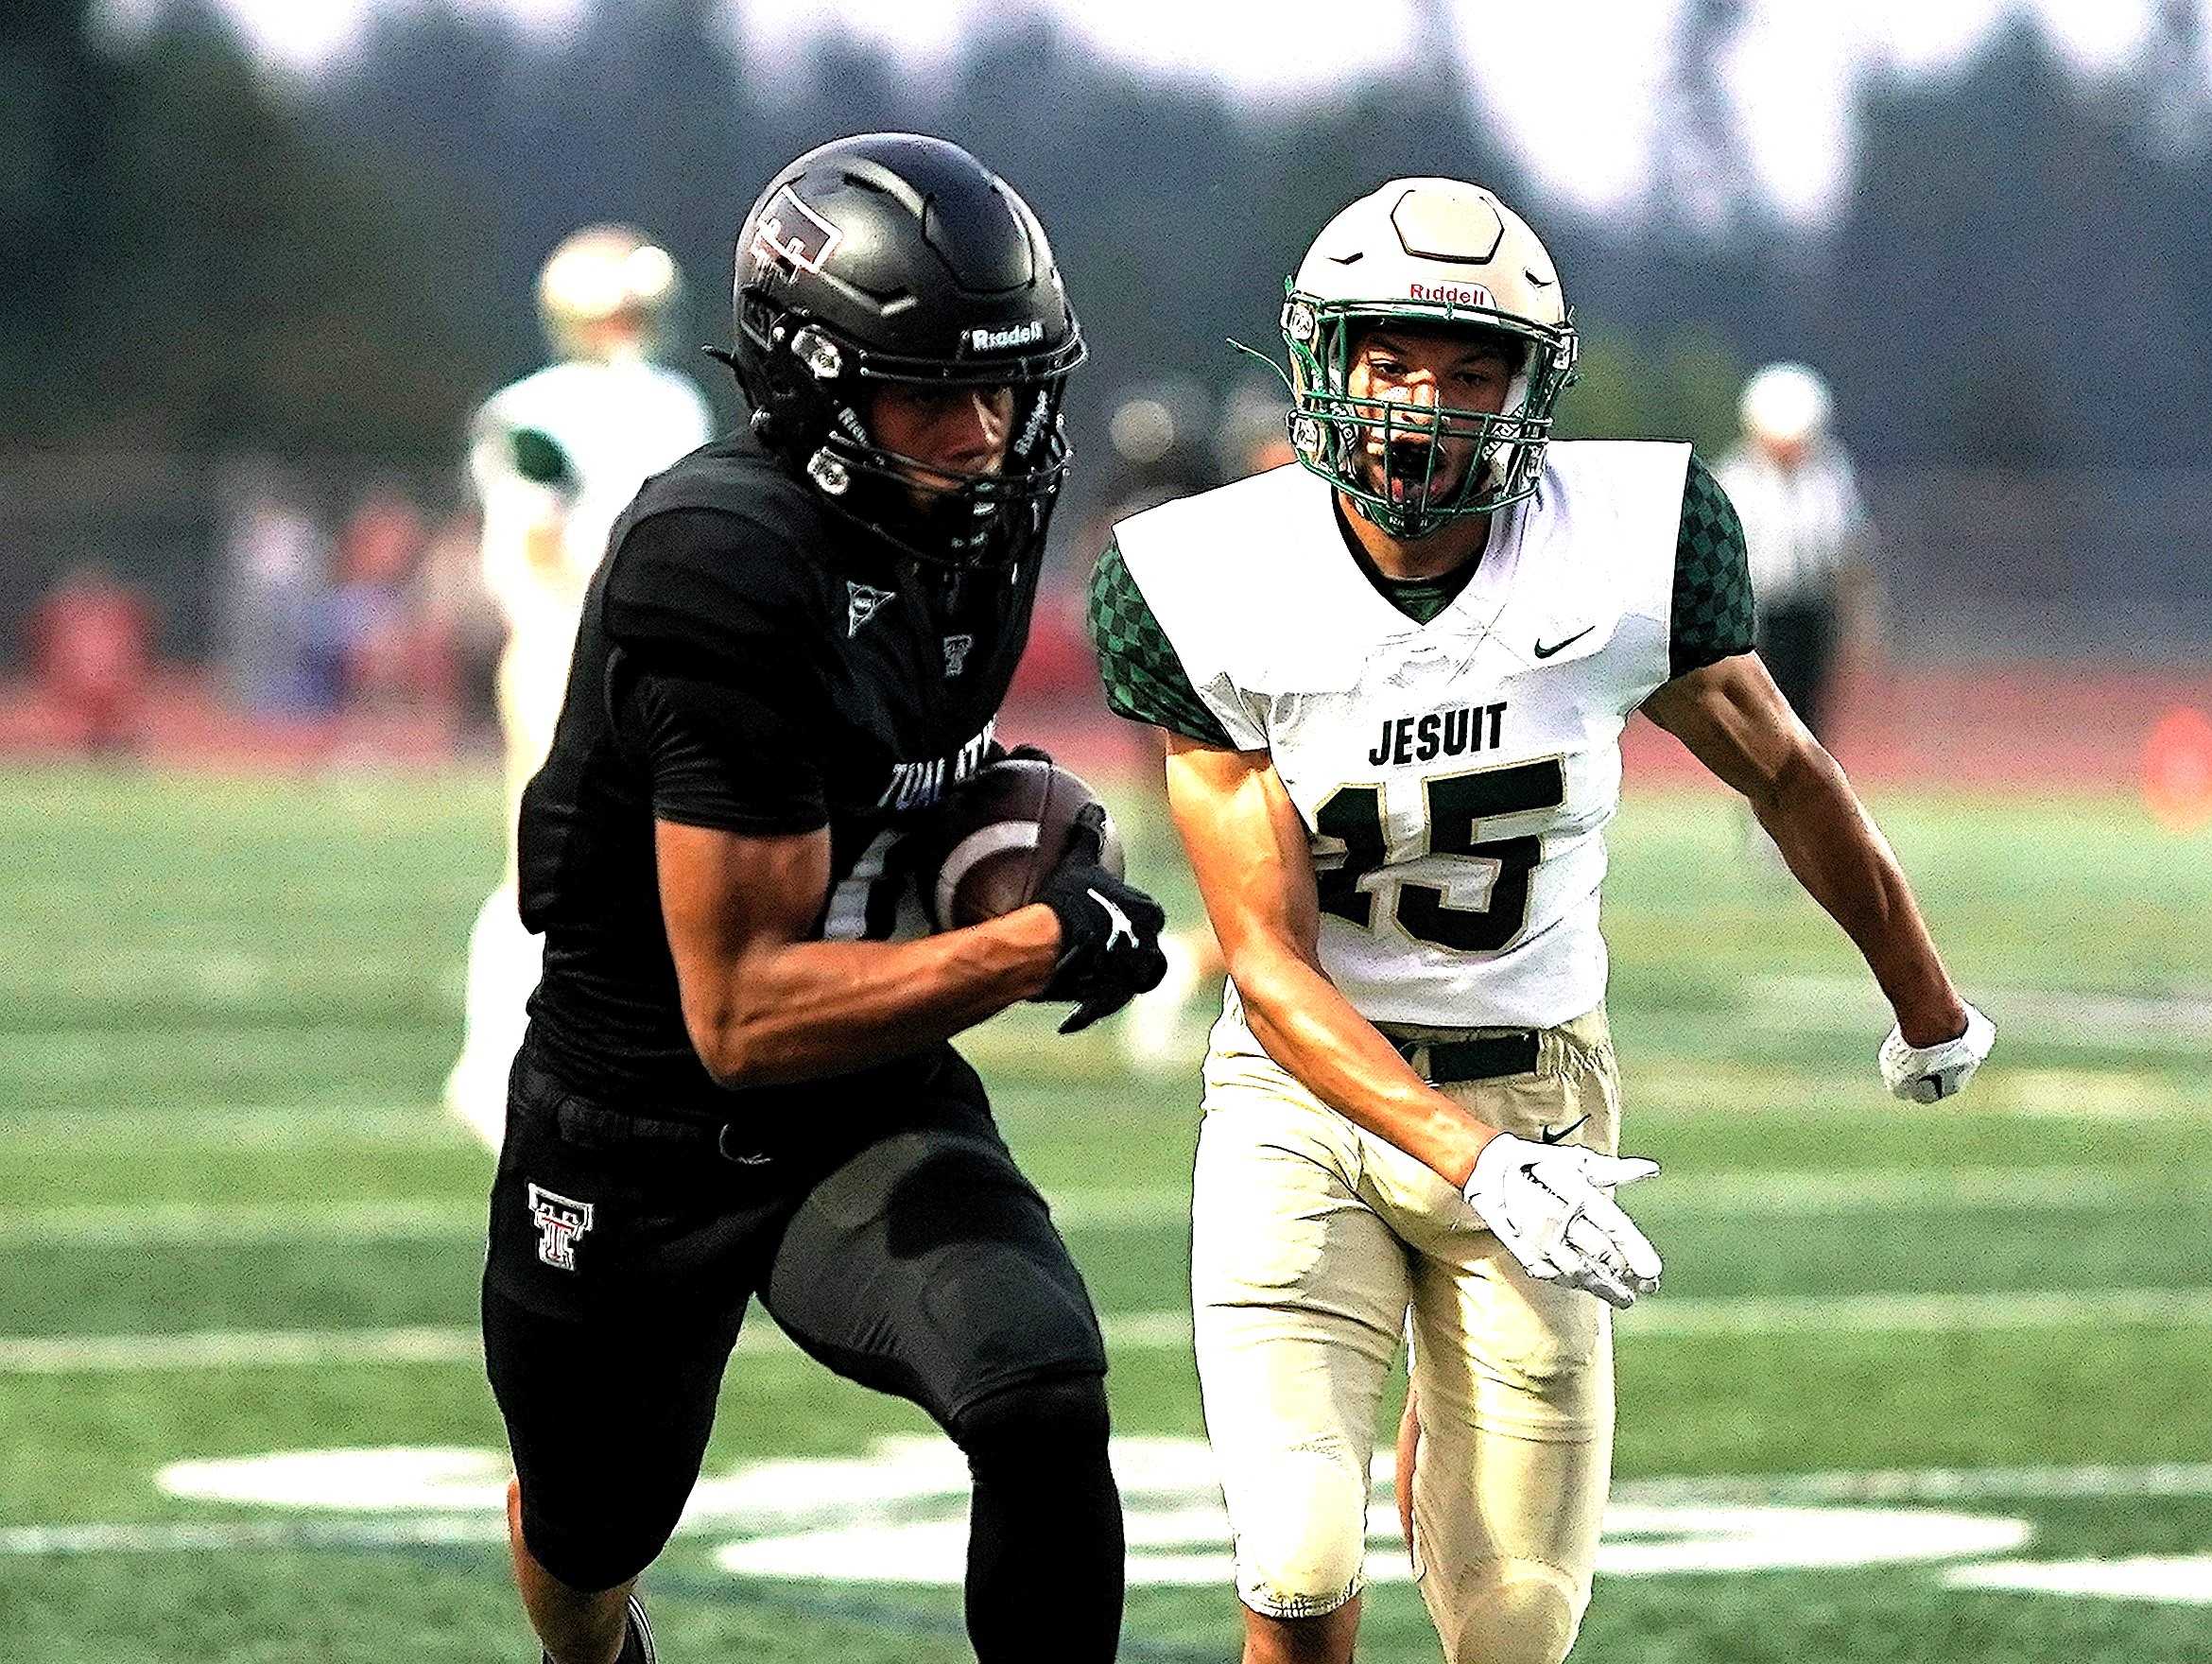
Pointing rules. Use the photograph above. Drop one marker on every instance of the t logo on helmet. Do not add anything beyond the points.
(793, 236)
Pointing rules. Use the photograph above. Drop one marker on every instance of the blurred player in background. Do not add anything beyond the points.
(1804, 528)
(1392, 682)
(556, 457)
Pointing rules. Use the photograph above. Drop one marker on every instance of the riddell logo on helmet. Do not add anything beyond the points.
(995, 340)
(1452, 294)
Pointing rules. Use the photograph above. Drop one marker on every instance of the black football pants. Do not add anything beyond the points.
(624, 1253)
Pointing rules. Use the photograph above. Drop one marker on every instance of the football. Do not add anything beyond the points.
(1000, 837)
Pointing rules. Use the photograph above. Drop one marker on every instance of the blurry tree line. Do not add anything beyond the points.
(214, 261)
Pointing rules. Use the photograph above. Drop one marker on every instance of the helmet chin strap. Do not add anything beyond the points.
(1485, 466)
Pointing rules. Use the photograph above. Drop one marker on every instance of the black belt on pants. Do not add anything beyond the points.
(1487, 1057)
(734, 1143)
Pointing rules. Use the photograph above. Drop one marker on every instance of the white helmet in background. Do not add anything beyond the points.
(608, 291)
(1428, 251)
(1783, 406)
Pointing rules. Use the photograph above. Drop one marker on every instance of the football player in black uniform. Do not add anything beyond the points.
(736, 1082)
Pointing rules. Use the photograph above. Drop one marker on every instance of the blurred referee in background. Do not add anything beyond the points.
(1806, 529)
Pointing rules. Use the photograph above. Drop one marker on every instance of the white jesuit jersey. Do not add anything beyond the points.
(610, 426)
(1454, 777)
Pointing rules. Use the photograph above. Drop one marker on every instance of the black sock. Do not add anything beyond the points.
(637, 1645)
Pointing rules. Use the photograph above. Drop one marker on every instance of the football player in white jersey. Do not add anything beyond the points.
(554, 457)
(1393, 679)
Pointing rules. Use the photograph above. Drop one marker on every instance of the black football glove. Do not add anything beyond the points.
(1109, 930)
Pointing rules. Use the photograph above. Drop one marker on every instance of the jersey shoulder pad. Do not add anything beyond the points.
(718, 565)
(1144, 679)
(1232, 574)
(1618, 502)
(1223, 534)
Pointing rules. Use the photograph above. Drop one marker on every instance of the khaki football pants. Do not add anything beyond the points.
(1311, 1242)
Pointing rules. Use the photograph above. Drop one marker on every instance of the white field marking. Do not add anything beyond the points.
(2175, 1579)
(215, 977)
(2170, 1019)
(193, 1127)
(1765, 1193)
(1810, 1316)
(188, 1536)
(44, 1355)
(1924, 1484)
(131, 1052)
(906, 1469)
(231, 1224)
(1984, 1312)
(1672, 1090)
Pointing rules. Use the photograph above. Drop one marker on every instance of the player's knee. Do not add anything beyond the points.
(1511, 1612)
(1035, 1425)
(607, 1551)
(1301, 1523)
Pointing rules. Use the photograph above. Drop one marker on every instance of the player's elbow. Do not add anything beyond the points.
(1800, 776)
(731, 1043)
(1273, 983)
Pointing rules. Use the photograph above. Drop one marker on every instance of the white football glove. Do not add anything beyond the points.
(1551, 1206)
(1927, 1074)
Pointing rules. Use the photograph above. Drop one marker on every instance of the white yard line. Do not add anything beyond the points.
(1932, 1486)
(1765, 1193)
(1661, 1318)
(195, 1126)
(184, 1537)
(2164, 1019)
(1987, 1312)
(95, 1224)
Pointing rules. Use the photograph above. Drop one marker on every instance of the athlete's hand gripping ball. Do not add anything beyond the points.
(1109, 929)
(1551, 1206)
(1927, 1074)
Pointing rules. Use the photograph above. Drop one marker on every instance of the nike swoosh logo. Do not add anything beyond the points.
(1548, 1136)
(1560, 647)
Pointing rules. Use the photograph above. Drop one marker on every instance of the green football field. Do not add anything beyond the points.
(1923, 1384)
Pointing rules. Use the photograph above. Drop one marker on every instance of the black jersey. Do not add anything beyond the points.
(748, 660)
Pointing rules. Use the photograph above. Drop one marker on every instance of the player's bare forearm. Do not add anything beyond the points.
(1317, 1035)
(810, 1009)
(1735, 723)
(1836, 851)
(1246, 847)
(765, 1005)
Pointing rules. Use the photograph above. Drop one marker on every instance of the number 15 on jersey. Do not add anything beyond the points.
(1351, 845)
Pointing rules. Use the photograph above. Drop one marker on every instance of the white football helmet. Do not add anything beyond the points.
(1784, 405)
(1429, 251)
(607, 275)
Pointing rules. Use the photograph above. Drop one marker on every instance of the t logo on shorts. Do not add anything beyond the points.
(561, 1223)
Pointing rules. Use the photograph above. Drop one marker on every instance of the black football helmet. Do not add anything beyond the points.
(893, 258)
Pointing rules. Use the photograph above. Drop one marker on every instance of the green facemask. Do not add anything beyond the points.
(1330, 430)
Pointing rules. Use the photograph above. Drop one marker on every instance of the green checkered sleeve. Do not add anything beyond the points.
(1145, 680)
(1712, 578)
